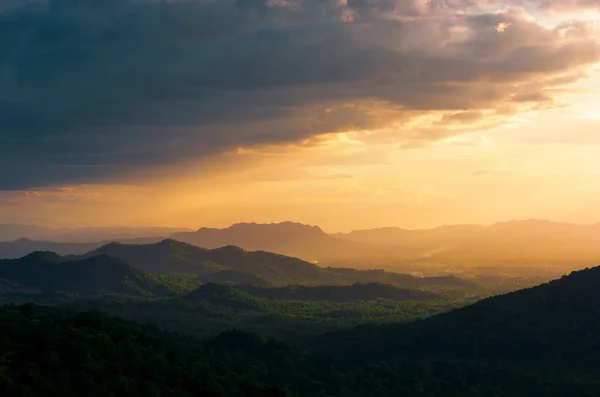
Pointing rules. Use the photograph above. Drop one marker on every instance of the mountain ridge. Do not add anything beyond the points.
(171, 257)
(450, 248)
(529, 324)
(48, 271)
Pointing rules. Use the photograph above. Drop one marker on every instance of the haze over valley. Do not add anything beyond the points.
(528, 251)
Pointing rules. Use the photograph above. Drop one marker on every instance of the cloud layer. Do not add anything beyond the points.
(92, 90)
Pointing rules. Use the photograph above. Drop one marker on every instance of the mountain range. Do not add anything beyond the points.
(12, 231)
(47, 271)
(23, 246)
(174, 285)
(515, 245)
(149, 268)
(506, 240)
(288, 238)
(540, 341)
(230, 264)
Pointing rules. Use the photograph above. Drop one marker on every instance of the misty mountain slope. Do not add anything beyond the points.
(287, 238)
(11, 232)
(23, 246)
(172, 257)
(518, 240)
(48, 271)
(554, 323)
(414, 242)
(164, 257)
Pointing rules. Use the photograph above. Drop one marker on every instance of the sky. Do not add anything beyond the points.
(348, 114)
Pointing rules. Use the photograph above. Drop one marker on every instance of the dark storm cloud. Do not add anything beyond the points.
(92, 90)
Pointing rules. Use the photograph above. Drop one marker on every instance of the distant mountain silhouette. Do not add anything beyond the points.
(399, 236)
(11, 232)
(48, 271)
(518, 240)
(21, 247)
(172, 257)
(288, 238)
(522, 243)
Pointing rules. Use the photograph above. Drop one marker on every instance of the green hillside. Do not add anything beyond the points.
(258, 267)
(541, 341)
(213, 308)
(338, 293)
(47, 271)
(47, 352)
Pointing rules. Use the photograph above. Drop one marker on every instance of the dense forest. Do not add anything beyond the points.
(179, 298)
(213, 308)
(537, 342)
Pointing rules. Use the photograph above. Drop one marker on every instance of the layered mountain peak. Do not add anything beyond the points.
(42, 256)
(282, 227)
(288, 238)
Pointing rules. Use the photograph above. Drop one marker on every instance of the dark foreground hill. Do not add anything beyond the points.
(234, 265)
(537, 342)
(48, 271)
(554, 324)
(47, 352)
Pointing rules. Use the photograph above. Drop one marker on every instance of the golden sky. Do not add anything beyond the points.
(514, 134)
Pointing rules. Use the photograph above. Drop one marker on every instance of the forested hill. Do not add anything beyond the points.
(47, 352)
(232, 264)
(554, 323)
(48, 271)
(541, 342)
(337, 293)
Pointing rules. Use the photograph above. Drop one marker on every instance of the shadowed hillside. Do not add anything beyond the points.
(48, 271)
(356, 292)
(542, 341)
(92, 354)
(555, 323)
(174, 257)
(286, 313)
